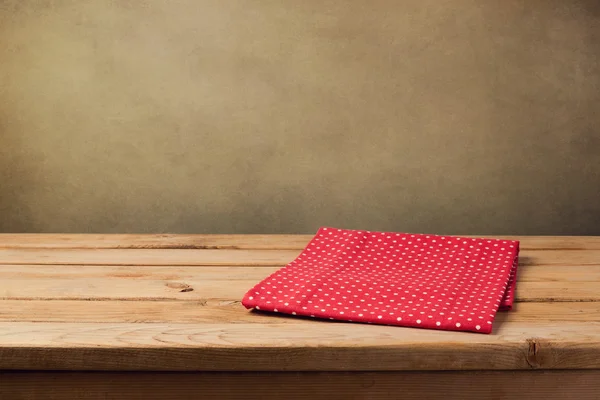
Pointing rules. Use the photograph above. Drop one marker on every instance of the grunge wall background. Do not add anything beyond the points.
(224, 116)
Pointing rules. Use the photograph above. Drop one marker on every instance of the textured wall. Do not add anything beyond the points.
(463, 116)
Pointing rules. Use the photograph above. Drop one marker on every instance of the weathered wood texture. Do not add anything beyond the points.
(231, 311)
(536, 282)
(302, 345)
(195, 257)
(171, 303)
(530, 385)
(247, 242)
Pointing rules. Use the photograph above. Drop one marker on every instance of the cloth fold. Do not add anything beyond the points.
(411, 280)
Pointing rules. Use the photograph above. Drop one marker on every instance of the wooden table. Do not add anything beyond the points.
(158, 316)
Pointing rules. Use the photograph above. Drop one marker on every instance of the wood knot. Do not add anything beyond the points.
(183, 287)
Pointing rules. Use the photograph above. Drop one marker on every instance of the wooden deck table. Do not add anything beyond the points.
(159, 316)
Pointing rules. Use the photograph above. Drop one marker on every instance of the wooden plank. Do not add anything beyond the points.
(499, 385)
(153, 241)
(202, 283)
(246, 242)
(229, 311)
(198, 290)
(559, 257)
(533, 273)
(93, 272)
(232, 257)
(146, 257)
(123, 289)
(557, 273)
(557, 291)
(304, 345)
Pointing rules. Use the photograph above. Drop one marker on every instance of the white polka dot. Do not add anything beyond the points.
(478, 327)
(438, 323)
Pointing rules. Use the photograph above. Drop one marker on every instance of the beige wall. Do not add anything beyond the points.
(461, 116)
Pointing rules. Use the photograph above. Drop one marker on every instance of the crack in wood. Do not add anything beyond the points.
(533, 354)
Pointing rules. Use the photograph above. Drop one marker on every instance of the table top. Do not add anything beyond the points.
(172, 303)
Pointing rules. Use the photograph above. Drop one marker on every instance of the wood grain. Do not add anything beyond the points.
(232, 257)
(245, 242)
(139, 307)
(557, 291)
(154, 241)
(198, 290)
(302, 345)
(499, 385)
(531, 273)
(49, 282)
(230, 273)
(157, 257)
(124, 289)
(228, 311)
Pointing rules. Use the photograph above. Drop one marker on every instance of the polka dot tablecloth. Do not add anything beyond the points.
(411, 280)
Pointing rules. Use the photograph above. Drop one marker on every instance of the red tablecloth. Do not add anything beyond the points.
(413, 280)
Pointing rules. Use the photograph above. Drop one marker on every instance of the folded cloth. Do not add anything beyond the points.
(412, 280)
